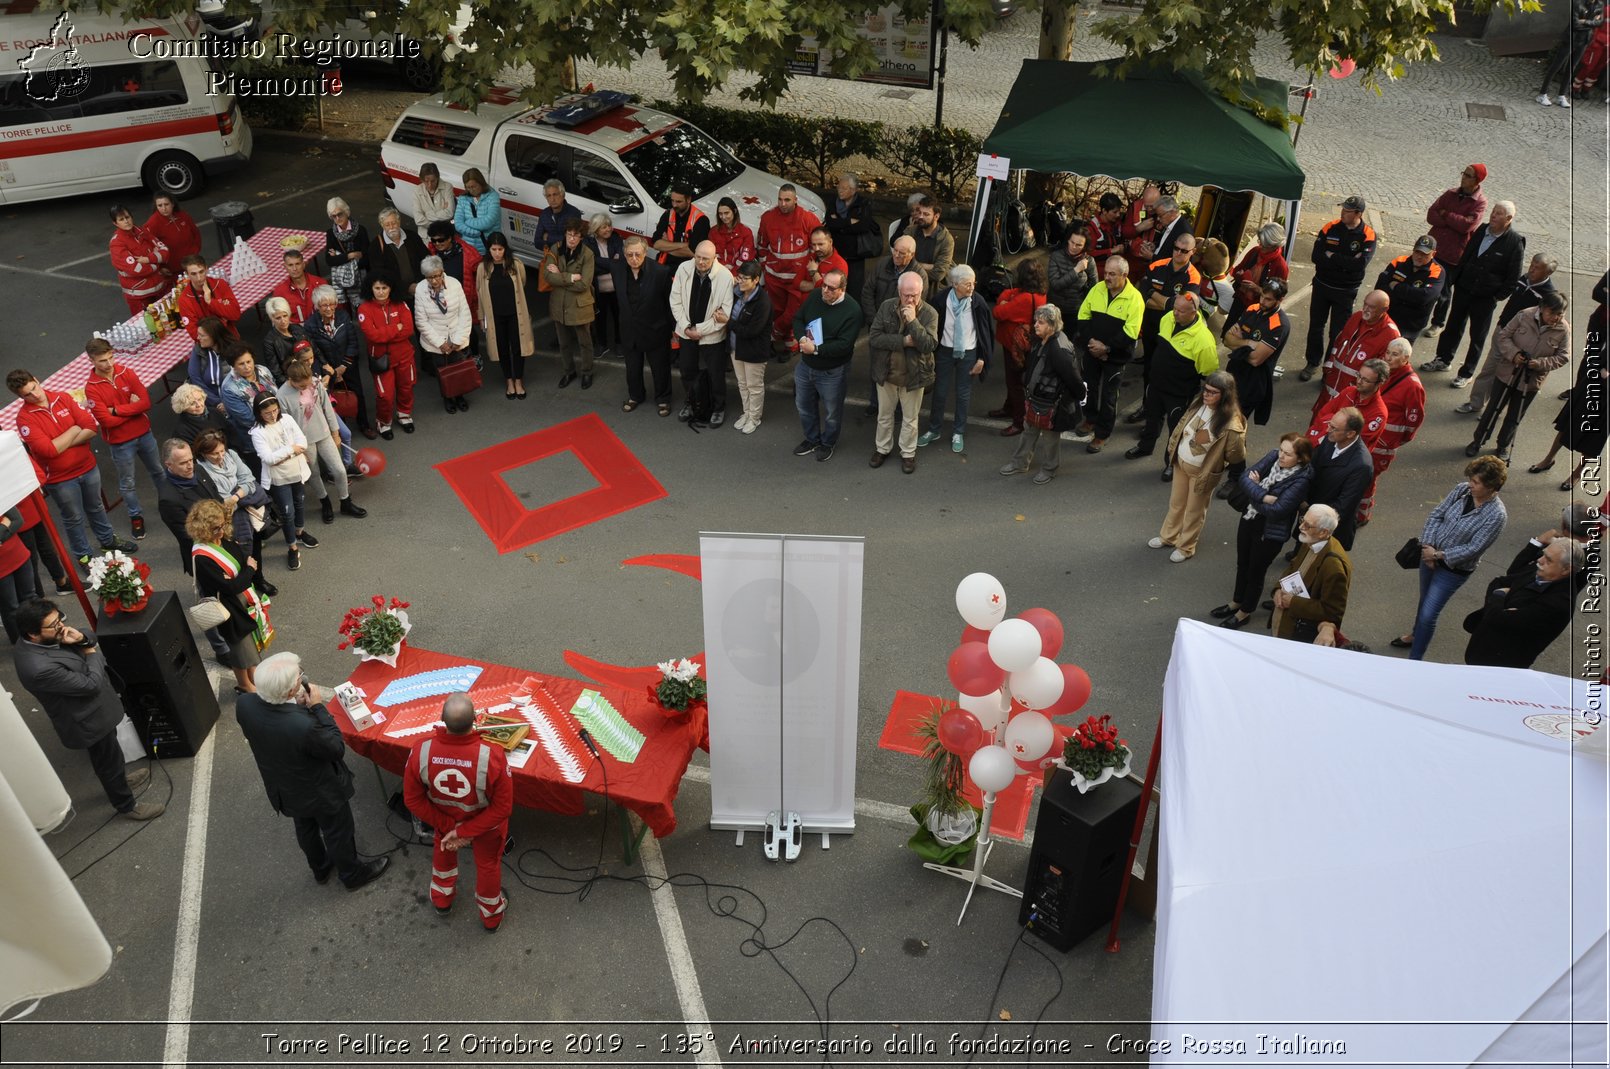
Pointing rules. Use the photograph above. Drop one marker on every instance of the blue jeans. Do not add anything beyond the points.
(827, 387)
(289, 498)
(76, 497)
(1437, 585)
(347, 452)
(123, 454)
(948, 372)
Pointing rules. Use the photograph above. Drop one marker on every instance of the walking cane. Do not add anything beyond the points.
(1497, 404)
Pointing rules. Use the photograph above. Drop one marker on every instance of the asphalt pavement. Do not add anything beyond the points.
(273, 953)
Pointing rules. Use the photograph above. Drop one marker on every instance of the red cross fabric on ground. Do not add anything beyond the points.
(478, 480)
(1011, 817)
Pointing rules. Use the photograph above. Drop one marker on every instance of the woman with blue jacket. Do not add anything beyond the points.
(240, 389)
(209, 364)
(478, 212)
(1276, 485)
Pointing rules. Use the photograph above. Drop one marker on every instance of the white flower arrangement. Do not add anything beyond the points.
(681, 685)
(682, 671)
(119, 579)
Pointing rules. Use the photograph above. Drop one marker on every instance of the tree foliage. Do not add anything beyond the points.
(705, 43)
(1216, 39)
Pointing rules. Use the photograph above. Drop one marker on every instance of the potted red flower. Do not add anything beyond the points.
(120, 581)
(375, 632)
(1094, 753)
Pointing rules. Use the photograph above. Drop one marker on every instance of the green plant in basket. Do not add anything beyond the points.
(1093, 746)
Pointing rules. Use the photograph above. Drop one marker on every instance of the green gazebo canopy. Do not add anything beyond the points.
(1156, 123)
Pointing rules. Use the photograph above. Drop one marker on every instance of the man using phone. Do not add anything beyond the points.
(301, 757)
(63, 668)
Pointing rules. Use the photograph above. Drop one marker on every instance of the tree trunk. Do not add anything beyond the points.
(1056, 29)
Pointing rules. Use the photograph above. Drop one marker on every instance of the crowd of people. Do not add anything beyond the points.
(1131, 299)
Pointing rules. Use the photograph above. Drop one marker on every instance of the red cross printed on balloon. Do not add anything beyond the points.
(994, 599)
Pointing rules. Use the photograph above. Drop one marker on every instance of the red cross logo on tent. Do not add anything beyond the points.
(451, 783)
(750, 198)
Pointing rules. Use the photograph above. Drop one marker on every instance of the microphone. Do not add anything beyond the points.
(587, 741)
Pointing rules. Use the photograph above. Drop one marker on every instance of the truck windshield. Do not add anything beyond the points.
(682, 155)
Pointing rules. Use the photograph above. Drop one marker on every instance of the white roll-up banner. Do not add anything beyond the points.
(24, 765)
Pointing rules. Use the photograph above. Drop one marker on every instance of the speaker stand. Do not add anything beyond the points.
(974, 876)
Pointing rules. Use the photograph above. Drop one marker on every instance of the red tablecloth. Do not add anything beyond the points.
(646, 786)
(155, 359)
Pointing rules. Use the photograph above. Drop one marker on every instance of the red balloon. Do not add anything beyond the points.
(1050, 628)
(1075, 691)
(972, 671)
(1343, 69)
(960, 732)
(370, 461)
(975, 634)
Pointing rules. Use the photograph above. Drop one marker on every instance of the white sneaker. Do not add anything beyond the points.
(751, 427)
(1563, 101)
(741, 424)
(1156, 543)
(1177, 557)
(1544, 99)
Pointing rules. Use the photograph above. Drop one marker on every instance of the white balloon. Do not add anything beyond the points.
(1039, 685)
(1029, 737)
(992, 769)
(981, 600)
(1014, 645)
(989, 710)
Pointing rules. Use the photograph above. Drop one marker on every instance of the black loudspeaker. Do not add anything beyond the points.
(158, 670)
(1080, 844)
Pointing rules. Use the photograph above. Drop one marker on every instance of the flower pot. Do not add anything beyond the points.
(116, 605)
(1084, 785)
(952, 829)
(389, 657)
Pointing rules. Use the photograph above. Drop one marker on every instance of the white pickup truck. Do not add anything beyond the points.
(611, 154)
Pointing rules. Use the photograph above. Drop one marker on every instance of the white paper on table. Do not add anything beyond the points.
(815, 329)
(518, 756)
(1293, 584)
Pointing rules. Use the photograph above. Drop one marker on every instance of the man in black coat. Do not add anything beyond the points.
(1527, 609)
(64, 669)
(1486, 274)
(1342, 472)
(643, 290)
(299, 753)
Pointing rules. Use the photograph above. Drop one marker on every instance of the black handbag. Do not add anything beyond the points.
(1238, 498)
(867, 245)
(1408, 557)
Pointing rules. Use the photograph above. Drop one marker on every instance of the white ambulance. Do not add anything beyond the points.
(89, 102)
(612, 155)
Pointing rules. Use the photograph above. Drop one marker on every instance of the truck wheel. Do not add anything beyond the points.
(421, 73)
(177, 174)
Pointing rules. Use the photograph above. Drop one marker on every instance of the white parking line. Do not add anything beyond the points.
(677, 952)
(80, 260)
(43, 273)
(187, 934)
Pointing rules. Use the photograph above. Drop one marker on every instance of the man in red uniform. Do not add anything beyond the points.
(1363, 394)
(201, 297)
(459, 785)
(58, 432)
(1364, 336)
(783, 241)
(1405, 398)
(140, 260)
(823, 258)
(1104, 234)
(118, 400)
(298, 287)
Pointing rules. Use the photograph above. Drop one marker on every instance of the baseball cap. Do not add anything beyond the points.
(1355, 203)
(1426, 243)
(1480, 171)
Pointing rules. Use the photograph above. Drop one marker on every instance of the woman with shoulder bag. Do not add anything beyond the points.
(608, 249)
(388, 326)
(223, 570)
(500, 282)
(1272, 489)
(1210, 437)
(1054, 397)
(346, 251)
(1455, 535)
(749, 338)
(305, 399)
(248, 502)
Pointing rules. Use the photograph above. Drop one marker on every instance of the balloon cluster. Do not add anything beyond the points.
(1009, 687)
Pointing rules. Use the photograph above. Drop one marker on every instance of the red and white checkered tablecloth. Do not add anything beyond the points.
(155, 359)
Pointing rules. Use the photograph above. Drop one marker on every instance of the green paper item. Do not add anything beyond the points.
(925, 846)
(607, 727)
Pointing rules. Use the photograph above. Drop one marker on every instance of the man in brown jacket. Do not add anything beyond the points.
(1531, 345)
(904, 337)
(1327, 574)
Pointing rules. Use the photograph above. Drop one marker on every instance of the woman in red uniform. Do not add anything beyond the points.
(389, 327)
(172, 225)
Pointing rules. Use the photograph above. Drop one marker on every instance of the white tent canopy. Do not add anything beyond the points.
(1403, 858)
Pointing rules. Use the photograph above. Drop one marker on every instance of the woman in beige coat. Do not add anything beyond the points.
(567, 269)
(1210, 437)
(500, 292)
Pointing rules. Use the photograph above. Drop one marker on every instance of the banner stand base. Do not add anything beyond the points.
(783, 836)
